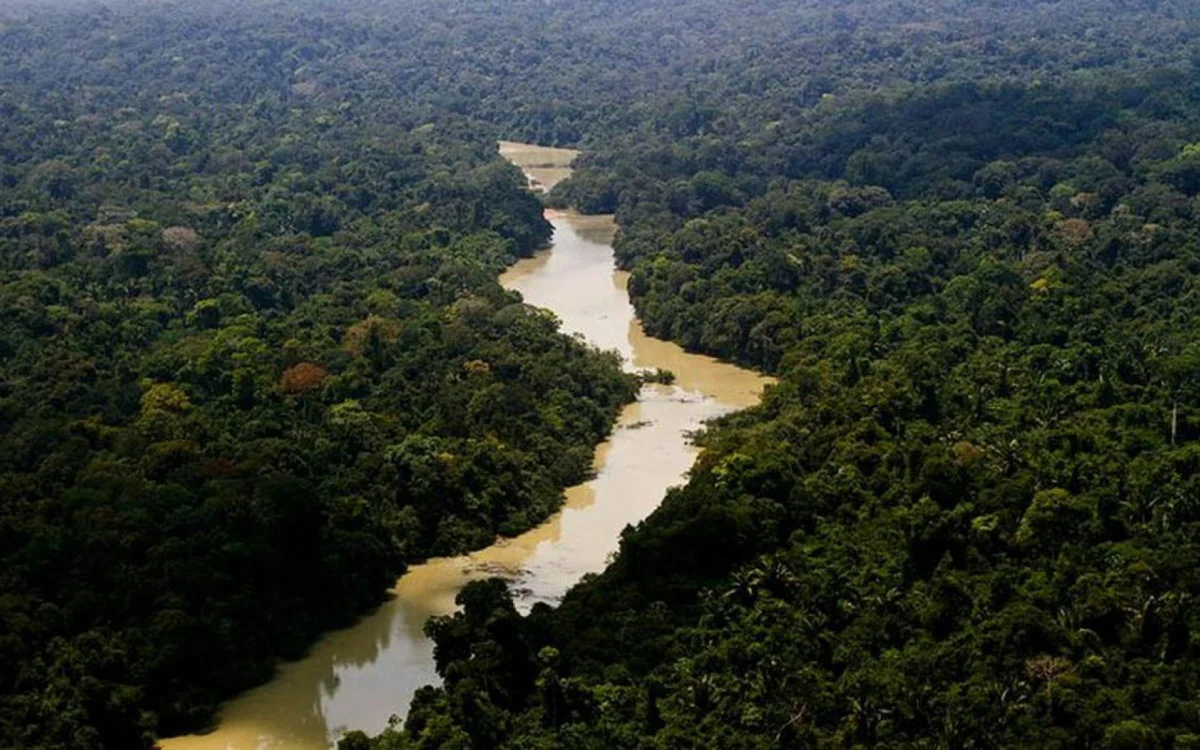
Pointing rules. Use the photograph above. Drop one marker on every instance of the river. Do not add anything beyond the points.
(356, 678)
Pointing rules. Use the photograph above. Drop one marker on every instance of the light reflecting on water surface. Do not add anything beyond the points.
(356, 678)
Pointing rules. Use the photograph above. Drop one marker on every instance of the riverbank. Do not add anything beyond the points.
(358, 677)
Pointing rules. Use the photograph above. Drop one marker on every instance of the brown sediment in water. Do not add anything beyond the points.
(545, 167)
(357, 677)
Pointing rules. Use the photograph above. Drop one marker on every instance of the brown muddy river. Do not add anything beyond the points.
(358, 677)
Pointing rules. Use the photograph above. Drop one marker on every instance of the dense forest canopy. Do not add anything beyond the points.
(254, 359)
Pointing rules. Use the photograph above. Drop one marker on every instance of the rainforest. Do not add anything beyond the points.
(256, 362)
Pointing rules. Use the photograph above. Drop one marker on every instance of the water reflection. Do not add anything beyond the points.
(358, 677)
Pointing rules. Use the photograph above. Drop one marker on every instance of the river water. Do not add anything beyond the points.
(358, 677)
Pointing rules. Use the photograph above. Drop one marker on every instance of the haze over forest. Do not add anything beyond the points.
(255, 364)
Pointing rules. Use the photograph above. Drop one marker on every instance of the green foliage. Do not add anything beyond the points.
(966, 516)
(254, 360)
